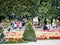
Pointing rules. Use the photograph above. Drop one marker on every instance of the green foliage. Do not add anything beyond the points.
(52, 6)
(1, 35)
(6, 24)
(29, 34)
(15, 41)
(11, 41)
(36, 2)
(5, 20)
(1, 30)
(43, 11)
(30, 7)
(42, 20)
(48, 21)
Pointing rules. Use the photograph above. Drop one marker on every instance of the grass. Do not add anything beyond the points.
(15, 41)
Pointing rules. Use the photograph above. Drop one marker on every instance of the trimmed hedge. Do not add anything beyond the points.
(29, 34)
(1, 35)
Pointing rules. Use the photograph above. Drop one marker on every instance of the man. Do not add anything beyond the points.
(38, 21)
(45, 22)
(45, 27)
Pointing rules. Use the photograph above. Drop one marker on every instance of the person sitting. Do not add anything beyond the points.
(45, 27)
(23, 23)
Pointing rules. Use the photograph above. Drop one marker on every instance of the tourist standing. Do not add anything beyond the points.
(51, 21)
(20, 25)
(38, 21)
(17, 24)
(12, 24)
(45, 21)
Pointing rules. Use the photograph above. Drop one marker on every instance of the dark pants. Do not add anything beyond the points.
(45, 28)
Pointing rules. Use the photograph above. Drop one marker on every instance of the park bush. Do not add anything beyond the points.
(1, 35)
(29, 34)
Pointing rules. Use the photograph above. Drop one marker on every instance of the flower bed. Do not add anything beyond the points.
(13, 35)
(51, 34)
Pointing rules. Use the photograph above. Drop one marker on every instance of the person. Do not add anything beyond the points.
(51, 21)
(45, 27)
(53, 24)
(38, 21)
(17, 24)
(12, 24)
(23, 22)
(32, 20)
(9, 28)
(20, 25)
(45, 22)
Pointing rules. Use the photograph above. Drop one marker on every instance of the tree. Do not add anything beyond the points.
(29, 7)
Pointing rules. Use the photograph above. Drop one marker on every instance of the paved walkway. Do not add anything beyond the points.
(39, 42)
(51, 28)
(35, 28)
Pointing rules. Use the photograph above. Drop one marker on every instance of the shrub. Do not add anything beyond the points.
(29, 34)
(1, 35)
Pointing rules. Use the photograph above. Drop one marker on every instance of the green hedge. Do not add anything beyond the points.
(29, 34)
(1, 35)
